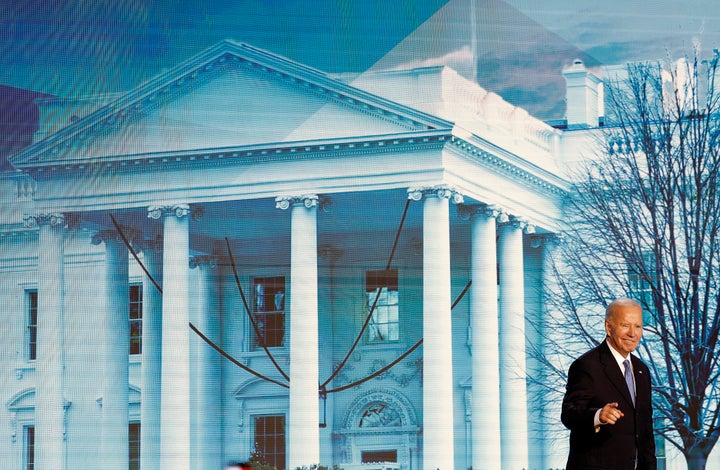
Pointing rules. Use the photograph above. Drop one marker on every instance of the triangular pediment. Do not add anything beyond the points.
(231, 96)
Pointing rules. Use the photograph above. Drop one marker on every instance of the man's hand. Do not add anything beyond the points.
(610, 413)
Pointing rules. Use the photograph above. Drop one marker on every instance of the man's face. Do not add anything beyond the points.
(624, 328)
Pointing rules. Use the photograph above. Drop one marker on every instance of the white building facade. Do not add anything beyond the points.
(246, 255)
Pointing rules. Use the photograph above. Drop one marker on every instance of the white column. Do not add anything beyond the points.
(175, 444)
(49, 363)
(513, 389)
(116, 343)
(304, 415)
(206, 375)
(438, 383)
(484, 344)
(151, 357)
(535, 274)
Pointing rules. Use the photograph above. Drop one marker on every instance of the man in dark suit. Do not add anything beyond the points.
(609, 412)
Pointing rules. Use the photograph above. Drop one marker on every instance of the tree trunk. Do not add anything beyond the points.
(696, 459)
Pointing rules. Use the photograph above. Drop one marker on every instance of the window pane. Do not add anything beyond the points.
(381, 314)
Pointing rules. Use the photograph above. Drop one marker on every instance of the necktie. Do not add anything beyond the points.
(629, 379)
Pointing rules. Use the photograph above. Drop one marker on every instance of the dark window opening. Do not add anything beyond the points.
(270, 440)
(374, 456)
(134, 446)
(29, 437)
(135, 318)
(31, 302)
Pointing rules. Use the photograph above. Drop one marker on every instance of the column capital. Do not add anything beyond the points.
(178, 210)
(547, 240)
(112, 235)
(54, 219)
(286, 201)
(467, 211)
(520, 223)
(440, 191)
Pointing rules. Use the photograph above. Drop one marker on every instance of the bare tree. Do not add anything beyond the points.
(645, 221)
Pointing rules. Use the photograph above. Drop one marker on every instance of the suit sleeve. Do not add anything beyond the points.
(578, 413)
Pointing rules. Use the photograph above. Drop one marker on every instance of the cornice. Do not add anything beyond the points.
(276, 151)
(531, 175)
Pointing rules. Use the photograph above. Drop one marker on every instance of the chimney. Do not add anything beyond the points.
(581, 96)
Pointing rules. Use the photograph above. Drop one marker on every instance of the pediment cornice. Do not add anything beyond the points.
(246, 154)
(201, 69)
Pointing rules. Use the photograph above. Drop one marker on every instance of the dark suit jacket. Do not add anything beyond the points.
(594, 380)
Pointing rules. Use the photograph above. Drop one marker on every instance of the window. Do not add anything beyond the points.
(270, 440)
(29, 447)
(134, 446)
(639, 287)
(135, 317)
(269, 310)
(31, 311)
(384, 325)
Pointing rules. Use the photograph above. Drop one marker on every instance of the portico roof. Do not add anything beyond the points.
(232, 96)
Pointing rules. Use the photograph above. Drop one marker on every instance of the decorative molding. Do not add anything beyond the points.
(54, 219)
(25, 187)
(13, 426)
(394, 400)
(21, 371)
(277, 152)
(285, 202)
(441, 191)
(111, 235)
(415, 368)
(520, 223)
(22, 400)
(241, 414)
(467, 395)
(468, 211)
(178, 210)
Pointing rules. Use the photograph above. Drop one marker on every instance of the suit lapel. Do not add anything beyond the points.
(613, 373)
(640, 380)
